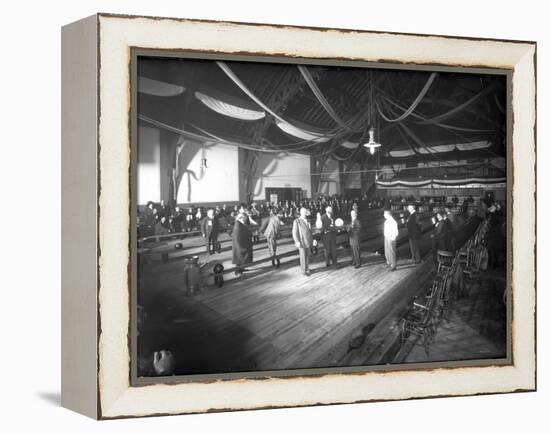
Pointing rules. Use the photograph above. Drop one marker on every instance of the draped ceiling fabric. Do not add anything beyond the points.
(419, 116)
(301, 133)
(472, 145)
(399, 153)
(209, 137)
(322, 99)
(158, 88)
(415, 103)
(230, 110)
(282, 123)
(349, 145)
(402, 153)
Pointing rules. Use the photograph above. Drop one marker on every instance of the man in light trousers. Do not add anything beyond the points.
(303, 240)
(271, 228)
(390, 240)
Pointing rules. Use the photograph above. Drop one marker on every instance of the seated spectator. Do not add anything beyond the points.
(189, 220)
(177, 220)
(198, 217)
(161, 228)
(164, 209)
(149, 220)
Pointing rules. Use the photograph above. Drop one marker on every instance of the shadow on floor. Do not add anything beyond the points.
(52, 398)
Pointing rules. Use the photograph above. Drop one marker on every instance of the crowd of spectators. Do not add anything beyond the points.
(431, 203)
(161, 218)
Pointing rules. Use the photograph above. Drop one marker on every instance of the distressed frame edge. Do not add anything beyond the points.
(302, 27)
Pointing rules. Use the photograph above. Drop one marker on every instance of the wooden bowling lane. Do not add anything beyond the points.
(195, 245)
(372, 242)
(278, 319)
(174, 270)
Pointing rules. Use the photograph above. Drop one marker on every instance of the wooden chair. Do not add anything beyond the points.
(444, 261)
(447, 294)
(421, 318)
(470, 270)
(464, 251)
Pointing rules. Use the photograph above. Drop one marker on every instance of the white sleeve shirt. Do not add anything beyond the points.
(390, 229)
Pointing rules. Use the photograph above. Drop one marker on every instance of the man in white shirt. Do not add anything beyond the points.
(390, 236)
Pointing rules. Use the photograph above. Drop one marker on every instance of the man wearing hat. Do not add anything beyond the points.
(271, 227)
(210, 229)
(414, 232)
(329, 236)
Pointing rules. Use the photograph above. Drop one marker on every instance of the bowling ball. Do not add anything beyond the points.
(191, 260)
(178, 246)
(339, 223)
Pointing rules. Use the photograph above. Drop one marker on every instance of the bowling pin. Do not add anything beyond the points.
(318, 221)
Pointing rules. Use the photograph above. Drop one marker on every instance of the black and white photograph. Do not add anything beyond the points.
(290, 217)
(293, 216)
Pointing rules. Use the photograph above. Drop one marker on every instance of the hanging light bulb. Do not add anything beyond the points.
(372, 144)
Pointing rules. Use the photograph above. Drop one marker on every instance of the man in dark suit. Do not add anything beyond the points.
(177, 219)
(355, 239)
(414, 232)
(190, 220)
(329, 236)
(161, 228)
(441, 238)
(242, 243)
(303, 240)
(164, 209)
(150, 220)
(210, 230)
(449, 240)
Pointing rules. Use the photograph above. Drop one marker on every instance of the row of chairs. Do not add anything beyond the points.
(455, 274)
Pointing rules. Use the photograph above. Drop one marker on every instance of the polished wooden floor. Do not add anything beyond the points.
(277, 319)
(272, 319)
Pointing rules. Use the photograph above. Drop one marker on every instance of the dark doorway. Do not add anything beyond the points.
(283, 194)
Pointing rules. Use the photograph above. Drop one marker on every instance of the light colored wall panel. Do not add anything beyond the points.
(148, 165)
(330, 180)
(219, 182)
(275, 171)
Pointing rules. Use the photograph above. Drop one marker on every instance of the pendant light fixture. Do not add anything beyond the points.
(372, 144)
